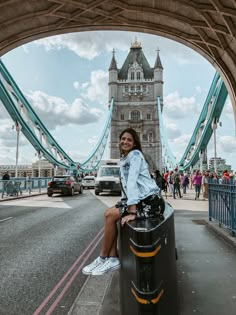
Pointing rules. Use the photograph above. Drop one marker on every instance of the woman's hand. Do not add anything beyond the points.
(127, 218)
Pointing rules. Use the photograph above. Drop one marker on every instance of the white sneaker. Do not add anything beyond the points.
(111, 263)
(87, 270)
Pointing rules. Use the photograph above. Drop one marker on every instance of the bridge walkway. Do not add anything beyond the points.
(206, 268)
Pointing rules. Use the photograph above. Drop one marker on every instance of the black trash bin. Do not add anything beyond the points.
(148, 276)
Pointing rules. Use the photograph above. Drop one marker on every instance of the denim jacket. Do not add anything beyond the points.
(135, 178)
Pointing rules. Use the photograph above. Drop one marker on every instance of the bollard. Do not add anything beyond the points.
(148, 275)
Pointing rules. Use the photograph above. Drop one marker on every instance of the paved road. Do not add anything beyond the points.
(44, 244)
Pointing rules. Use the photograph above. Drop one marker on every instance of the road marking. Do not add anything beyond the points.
(84, 257)
(6, 219)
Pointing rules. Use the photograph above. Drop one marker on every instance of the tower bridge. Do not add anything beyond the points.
(208, 27)
(134, 108)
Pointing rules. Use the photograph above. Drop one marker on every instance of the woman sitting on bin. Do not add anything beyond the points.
(140, 199)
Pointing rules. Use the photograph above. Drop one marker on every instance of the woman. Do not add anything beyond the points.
(197, 182)
(140, 196)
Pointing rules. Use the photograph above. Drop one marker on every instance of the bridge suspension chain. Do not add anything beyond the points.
(37, 134)
(169, 159)
(202, 133)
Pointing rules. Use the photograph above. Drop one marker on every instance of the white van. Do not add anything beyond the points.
(108, 177)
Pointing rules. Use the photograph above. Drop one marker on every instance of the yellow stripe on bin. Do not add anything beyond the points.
(144, 301)
(145, 254)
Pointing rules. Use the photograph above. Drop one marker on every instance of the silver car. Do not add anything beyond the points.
(88, 181)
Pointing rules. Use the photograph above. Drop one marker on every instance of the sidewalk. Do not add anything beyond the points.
(24, 194)
(201, 266)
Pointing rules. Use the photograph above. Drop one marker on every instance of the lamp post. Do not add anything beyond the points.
(17, 126)
(214, 127)
(39, 163)
(201, 156)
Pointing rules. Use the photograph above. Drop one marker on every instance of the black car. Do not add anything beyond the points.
(65, 184)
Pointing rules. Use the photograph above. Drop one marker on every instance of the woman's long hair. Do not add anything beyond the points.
(133, 133)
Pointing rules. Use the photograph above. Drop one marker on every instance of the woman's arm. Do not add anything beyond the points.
(134, 171)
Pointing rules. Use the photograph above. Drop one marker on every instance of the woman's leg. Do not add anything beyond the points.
(109, 244)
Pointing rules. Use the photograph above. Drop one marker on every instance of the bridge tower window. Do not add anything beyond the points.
(135, 115)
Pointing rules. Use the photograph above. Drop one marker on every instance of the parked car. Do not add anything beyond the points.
(64, 184)
(88, 181)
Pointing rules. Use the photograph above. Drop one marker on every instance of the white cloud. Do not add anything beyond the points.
(172, 131)
(86, 45)
(3, 112)
(198, 89)
(90, 45)
(54, 111)
(227, 144)
(97, 88)
(76, 85)
(176, 107)
(93, 140)
(8, 135)
(179, 144)
(228, 109)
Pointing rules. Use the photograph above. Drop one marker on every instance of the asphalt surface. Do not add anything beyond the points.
(44, 244)
(206, 268)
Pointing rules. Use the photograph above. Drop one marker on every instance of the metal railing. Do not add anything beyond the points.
(18, 186)
(222, 204)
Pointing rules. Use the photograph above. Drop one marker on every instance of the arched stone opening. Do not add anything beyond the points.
(207, 27)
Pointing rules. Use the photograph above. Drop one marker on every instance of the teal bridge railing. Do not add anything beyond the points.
(22, 185)
(222, 204)
(35, 131)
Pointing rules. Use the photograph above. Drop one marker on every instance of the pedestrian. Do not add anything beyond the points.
(176, 184)
(170, 183)
(197, 182)
(140, 198)
(214, 177)
(164, 185)
(29, 183)
(205, 180)
(225, 177)
(185, 183)
(158, 179)
(6, 178)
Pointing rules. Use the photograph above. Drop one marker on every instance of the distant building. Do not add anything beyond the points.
(220, 165)
(135, 87)
(46, 169)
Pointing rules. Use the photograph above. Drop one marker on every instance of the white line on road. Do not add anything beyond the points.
(6, 219)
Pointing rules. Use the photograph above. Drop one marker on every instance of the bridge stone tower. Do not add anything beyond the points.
(135, 87)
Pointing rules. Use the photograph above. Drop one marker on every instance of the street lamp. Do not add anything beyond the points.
(201, 156)
(17, 126)
(214, 127)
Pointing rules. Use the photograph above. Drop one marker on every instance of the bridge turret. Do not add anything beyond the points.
(158, 78)
(113, 76)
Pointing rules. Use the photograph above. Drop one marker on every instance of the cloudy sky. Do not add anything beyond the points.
(65, 79)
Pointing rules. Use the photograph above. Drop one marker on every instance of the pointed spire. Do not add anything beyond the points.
(136, 44)
(113, 65)
(158, 61)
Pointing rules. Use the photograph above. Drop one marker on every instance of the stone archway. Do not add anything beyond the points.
(208, 27)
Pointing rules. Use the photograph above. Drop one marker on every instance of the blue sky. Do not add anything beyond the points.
(65, 78)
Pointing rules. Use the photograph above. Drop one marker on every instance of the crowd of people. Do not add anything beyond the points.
(176, 184)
